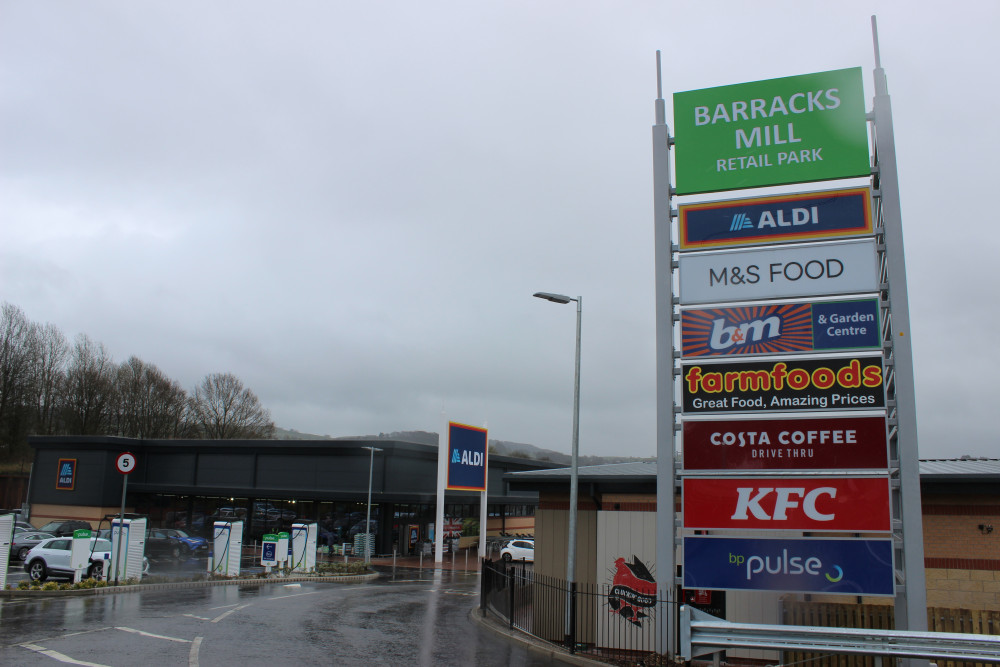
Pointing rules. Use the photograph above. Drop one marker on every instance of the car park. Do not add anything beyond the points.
(51, 558)
(24, 541)
(175, 544)
(519, 550)
(64, 527)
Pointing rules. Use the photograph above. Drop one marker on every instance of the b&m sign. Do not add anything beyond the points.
(780, 328)
(785, 385)
(810, 443)
(841, 566)
(467, 457)
(809, 216)
(852, 504)
(794, 129)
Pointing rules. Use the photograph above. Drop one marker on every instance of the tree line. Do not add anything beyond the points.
(49, 386)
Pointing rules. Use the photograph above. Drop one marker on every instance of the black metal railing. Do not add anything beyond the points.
(615, 623)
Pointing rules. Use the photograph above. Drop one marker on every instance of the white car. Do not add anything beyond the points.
(51, 558)
(519, 550)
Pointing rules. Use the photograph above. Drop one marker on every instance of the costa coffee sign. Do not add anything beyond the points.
(786, 444)
(854, 504)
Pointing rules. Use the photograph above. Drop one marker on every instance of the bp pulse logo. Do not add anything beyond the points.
(633, 591)
(784, 565)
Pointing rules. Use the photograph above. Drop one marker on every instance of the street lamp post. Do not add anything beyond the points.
(574, 478)
(368, 516)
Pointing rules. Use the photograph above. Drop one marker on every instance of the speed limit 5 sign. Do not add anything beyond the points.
(125, 463)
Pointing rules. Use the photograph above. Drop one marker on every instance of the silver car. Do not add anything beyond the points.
(24, 541)
(51, 558)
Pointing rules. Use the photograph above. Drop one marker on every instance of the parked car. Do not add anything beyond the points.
(172, 543)
(519, 550)
(64, 527)
(51, 558)
(24, 541)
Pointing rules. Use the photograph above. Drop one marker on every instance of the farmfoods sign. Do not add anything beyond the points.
(774, 386)
(794, 129)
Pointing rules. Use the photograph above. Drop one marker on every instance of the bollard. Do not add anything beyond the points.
(393, 559)
(421, 559)
(466, 559)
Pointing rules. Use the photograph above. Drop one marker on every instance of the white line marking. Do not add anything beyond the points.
(225, 606)
(61, 657)
(193, 655)
(292, 595)
(200, 618)
(222, 616)
(150, 634)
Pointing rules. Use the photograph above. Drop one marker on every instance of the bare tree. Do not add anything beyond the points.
(88, 397)
(223, 409)
(15, 333)
(149, 404)
(48, 355)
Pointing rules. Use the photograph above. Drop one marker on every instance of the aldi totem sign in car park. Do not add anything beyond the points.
(794, 366)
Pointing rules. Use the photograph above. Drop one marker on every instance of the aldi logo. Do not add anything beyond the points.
(467, 463)
(808, 216)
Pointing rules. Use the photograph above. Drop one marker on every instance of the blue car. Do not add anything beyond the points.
(175, 544)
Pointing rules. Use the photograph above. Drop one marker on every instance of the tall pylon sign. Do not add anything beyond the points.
(792, 386)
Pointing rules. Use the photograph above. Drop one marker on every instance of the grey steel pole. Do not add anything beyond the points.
(121, 529)
(911, 611)
(574, 474)
(666, 554)
(368, 515)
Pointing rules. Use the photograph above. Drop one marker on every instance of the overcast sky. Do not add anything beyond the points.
(349, 205)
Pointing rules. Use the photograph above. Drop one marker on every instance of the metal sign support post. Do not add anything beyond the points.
(443, 447)
(911, 598)
(665, 520)
(121, 529)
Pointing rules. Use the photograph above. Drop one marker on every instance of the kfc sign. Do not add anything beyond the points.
(858, 504)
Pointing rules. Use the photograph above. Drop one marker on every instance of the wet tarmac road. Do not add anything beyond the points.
(408, 618)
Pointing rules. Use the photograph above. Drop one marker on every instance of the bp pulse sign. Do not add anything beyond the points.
(794, 129)
(467, 457)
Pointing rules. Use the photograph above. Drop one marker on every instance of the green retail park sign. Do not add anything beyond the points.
(790, 130)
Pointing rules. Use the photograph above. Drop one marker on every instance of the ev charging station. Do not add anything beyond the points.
(281, 554)
(79, 553)
(227, 547)
(128, 547)
(6, 537)
(269, 552)
(304, 547)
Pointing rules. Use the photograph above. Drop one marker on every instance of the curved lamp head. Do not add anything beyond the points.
(555, 298)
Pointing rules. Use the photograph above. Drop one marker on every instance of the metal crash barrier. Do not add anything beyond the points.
(703, 633)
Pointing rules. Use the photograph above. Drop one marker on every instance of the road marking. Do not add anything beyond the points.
(222, 616)
(61, 657)
(193, 655)
(150, 634)
(225, 606)
(291, 595)
(200, 618)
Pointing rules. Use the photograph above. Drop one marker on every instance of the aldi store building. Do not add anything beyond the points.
(269, 484)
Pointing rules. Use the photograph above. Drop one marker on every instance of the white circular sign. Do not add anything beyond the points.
(125, 463)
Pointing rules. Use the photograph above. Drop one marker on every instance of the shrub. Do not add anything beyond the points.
(50, 586)
(65, 586)
(23, 585)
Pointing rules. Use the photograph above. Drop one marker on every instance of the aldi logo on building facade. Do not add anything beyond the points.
(809, 216)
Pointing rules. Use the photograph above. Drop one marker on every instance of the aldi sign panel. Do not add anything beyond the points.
(794, 129)
(780, 328)
(800, 217)
(789, 385)
(794, 271)
(852, 567)
(467, 457)
(826, 443)
(852, 504)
